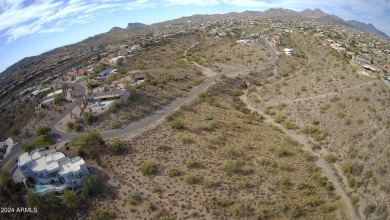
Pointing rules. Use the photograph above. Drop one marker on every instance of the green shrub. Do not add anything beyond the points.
(191, 163)
(191, 179)
(117, 147)
(330, 158)
(174, 172)
(177, 124)
(235, 210)
(148, 168)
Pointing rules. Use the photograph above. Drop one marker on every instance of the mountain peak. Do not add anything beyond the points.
(367, 27)
(134, 25)
(316, 13)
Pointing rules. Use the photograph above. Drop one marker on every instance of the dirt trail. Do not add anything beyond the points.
(325, 167)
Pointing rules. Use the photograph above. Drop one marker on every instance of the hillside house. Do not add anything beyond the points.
(54, 170)
(106, 95)
(140, 77)
(106, 73)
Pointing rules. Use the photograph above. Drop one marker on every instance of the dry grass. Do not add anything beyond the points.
(329, 94)
(240, 168)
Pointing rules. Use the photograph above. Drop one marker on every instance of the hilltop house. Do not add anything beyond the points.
(54, 170)
(106, 95)
(106, 73)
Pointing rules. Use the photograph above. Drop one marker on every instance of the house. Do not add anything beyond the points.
(77, 67)
(115, 59)
(50, 98)
(106, 73)
(338, 48)
(106, 95)
(328, 41)
(54, 170)
(245, 41)
(276, 39)
(369, 69)
(136, 47)
(289, 51)
(140, 77)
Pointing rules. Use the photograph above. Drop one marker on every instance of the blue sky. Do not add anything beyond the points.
(31, 27)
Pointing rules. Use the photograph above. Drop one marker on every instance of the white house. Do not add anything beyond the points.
(289, 51)
(55, 171)
(245, 41)
(338, 47)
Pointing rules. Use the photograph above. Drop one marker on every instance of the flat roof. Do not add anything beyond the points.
(71, 165)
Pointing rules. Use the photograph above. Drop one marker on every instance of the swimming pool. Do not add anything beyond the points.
(95, 106)
(40, 189)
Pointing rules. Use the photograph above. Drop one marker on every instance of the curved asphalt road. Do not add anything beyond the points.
(10, 159)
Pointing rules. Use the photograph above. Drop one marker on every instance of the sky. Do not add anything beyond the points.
(31, 27)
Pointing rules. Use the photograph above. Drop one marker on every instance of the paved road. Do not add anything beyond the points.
(8, 162)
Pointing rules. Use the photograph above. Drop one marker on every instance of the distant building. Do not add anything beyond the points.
(115, 59)
(55, 171)
(289, 51)
(245, 41)
(338, 48)
(276, 39)
(106, 73)
(140, 77)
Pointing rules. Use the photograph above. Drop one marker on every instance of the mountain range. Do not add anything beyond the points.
(117, 33)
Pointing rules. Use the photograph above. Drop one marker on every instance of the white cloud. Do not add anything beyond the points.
(192, 2)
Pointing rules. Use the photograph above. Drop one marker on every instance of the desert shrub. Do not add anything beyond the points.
(173, 172)
(354, 199)
(330, 158)
(163, 147)
(319, 135)
(177, 124)
(308, 129)
(232, 167)
(211, 183)
(235, 210)
(278, 118)
(187, 140)
(191, 179)
(354, 169)
(191, 163)
(117, 147)
(135, 198)
(289, 124)
(230, 151)
(148, 168)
